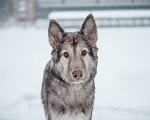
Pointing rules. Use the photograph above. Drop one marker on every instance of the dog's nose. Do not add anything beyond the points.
(77, 74)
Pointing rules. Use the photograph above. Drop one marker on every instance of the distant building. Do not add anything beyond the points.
(46, 6)
(30, 10)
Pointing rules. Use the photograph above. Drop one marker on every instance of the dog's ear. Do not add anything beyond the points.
(89, 28)
(55, 32)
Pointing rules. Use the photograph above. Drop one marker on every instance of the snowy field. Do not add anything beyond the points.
(122, 82)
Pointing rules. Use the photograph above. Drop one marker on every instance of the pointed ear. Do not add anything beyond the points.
(55, 32)
(89, 28)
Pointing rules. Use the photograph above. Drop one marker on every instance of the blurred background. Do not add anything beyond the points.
(123, 79)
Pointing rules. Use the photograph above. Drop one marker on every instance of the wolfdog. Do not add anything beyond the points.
(68, 82)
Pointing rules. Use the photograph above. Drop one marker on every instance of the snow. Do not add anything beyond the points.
(122, 82)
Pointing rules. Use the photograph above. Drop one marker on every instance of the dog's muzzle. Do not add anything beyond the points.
(77, 74)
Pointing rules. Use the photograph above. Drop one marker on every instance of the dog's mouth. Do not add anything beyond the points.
(79, 81)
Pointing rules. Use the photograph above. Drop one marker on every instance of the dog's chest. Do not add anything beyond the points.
(76, 104)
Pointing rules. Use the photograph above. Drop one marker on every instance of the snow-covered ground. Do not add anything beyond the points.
(122, 82)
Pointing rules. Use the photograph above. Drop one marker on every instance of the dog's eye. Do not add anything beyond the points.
(66, 54)
(84, 52)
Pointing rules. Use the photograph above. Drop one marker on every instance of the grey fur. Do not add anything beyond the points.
(62, 99)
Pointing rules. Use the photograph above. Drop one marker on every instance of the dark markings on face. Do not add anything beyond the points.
(59, 49)
(74, 43)
(89, 47)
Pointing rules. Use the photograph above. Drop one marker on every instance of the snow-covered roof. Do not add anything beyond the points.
(99, 14)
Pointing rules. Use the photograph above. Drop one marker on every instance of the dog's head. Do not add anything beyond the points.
(74, 54)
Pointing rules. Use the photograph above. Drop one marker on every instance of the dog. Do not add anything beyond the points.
(68, 86)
